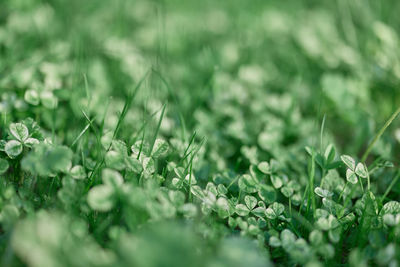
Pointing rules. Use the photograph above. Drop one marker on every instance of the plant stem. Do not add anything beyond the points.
(368, 179)
(341, 194)
(394, 181)
(379, 134)
(311, 181)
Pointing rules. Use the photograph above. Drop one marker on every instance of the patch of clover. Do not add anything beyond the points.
(183, 178)
(103, 197)
(213, 198)
(297, 248)
(318, 243)
(288, 187)
(141, 159)
(354, 171)
(45, 97)
(18, 139)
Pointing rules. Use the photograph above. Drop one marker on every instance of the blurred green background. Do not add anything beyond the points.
(338, 58)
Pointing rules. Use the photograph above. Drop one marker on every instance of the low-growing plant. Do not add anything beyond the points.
(180, 133)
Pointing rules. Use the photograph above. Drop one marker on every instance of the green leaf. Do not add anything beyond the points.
(13, 148)
(361, 170)
(242, 210)
(274, 242)
(334, 234)
(120, 147)
(287, 191)
(19, 131)
(251, 202)
(32, 97)
(148, 165)
(177, 183)
(330, 153)
(351, 176)
(247, 183)
(177, 197)
(46, 159)
(140, 146)
(274, 210)
(267, 193)
(196, 191)
(269, 212)
(276, 181)
(30, 142)
(326, 250)
(78, 172)
(259, 211)
(323, 224)
(160, 148)
(112, 178)
(115, 160)
(334, 165)
(287, 238)
(133, 164)
(391, 220)
(3, 166)
(100, 198)
(222, 190)
(349, 161)
(322, 192)
(212, 188)
(190, 179)
(392, 207)
(264, 167)
(48, 99)
(316, 238)
(223, 207)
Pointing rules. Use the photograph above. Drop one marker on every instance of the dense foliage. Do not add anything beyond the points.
(199, 133)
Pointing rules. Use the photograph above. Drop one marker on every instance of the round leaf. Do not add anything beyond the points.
(351, 176)
(100, 198)
(32, 97)
(276, 181)
(361, 170)
(264, 167)
(242, 210)
(48, 99)
(31, 142)
(13, 148)
(160, 148)
(349, 161)
(111, 177)
(115, 160)
(322, 192)
(133, 164)
(19, 131)
(267, 193)
(78, 172)
(250, 201)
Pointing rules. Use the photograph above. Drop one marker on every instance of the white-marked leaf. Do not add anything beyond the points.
(19, 131)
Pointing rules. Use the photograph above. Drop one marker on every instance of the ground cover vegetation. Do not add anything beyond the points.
(199, 133)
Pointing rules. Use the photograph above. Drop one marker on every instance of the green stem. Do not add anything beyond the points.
(368, 179)
(311, 181)
(379, 134)
(341, 194)
(394, 181)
